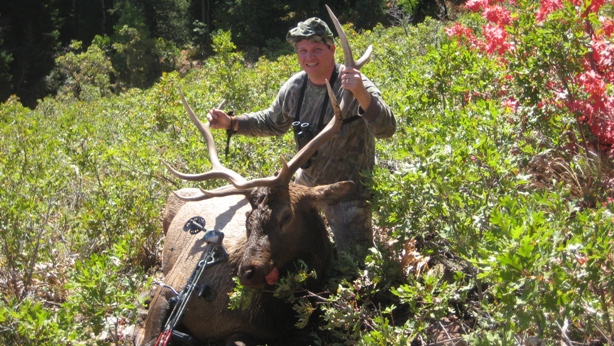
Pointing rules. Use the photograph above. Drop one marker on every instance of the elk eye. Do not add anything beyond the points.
(285, 218)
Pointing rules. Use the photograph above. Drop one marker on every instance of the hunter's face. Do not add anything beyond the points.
(316, 59)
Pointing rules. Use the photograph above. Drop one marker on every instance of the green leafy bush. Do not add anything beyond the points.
(83, 75)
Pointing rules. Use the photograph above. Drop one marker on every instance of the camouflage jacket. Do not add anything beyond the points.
(346, 155)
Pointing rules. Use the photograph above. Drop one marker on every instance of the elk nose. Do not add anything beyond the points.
(248, 273)
(249, 277)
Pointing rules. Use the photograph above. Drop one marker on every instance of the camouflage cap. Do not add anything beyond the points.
(313, 29)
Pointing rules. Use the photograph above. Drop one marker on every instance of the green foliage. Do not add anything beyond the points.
(138, 57)
(542, 60)
(33, 323)
(409, 6)
(104, 291)
(172, 20)
(83, 75)
(254, 25)
(289, 288)
(466, 179)
(60, 205)
(135, 55)
(241, 297)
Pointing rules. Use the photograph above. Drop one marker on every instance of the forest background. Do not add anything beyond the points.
(143, 38)
(493, 201)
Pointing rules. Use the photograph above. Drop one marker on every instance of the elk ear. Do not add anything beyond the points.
(332, 193)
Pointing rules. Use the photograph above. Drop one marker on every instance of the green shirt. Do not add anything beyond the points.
(347, 154)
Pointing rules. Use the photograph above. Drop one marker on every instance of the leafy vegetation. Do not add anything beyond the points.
(493, 201)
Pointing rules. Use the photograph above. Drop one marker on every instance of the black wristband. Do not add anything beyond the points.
(233, 123)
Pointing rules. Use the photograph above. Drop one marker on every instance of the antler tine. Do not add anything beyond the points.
(218, 171)
(348, 58)
(219, 192)
(224, 191)
(364, 59)
(347, 51)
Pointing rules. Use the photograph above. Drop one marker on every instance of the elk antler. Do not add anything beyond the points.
(346, 98)
(218, 170)
(240, 184)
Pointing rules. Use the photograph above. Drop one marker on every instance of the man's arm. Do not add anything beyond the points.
(375, 112)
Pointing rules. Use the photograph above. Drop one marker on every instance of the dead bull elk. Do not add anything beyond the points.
(282, 225)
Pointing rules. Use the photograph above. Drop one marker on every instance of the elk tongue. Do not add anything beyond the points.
(271, 278)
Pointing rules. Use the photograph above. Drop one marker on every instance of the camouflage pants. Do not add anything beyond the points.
(351, 225)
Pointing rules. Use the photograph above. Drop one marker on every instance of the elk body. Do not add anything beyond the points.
(269, 224)
(270, 247)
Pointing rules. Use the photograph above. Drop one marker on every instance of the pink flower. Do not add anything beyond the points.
(597, 109)
(595, 5)
(547, 7)
(498, 15)
(583, 109)
(603, 55)
(476, 5)
(607, 26)
(464, 34)
(603, 128)
(496, 39)
(458, 30)
(511, 104)
(592, 83)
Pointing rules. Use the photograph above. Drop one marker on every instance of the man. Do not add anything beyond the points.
(303, 98)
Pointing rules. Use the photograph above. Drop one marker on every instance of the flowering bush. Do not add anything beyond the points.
(566, 53)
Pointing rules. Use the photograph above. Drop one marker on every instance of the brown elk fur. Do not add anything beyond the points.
(272, 227)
